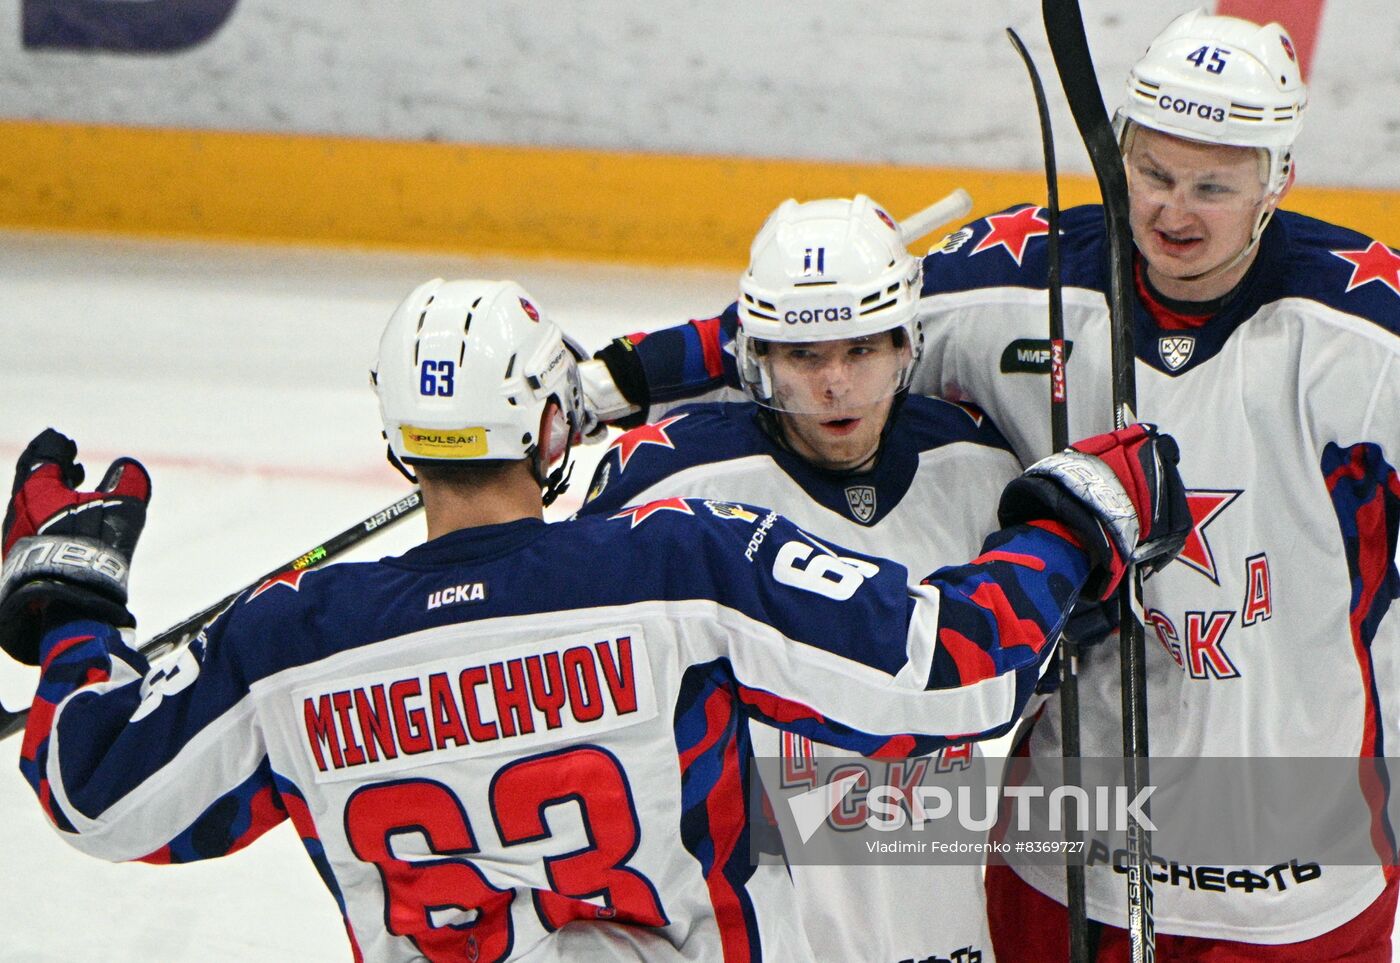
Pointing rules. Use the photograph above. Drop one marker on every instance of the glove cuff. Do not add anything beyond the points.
(37, 606)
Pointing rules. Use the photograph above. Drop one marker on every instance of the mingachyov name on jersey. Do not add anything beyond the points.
(504, 700)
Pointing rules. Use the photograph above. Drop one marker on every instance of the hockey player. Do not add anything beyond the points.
(827, 340)
(493, 744)
(1266, 341)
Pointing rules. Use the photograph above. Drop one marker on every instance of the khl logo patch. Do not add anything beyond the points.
(861, 499)
(1176, 351)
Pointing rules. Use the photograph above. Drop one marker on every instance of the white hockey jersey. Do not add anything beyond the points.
(525, 741)
(1275, 631)
(1270, 635)
(928, 502)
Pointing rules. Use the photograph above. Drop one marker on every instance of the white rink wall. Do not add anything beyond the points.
(913, 82)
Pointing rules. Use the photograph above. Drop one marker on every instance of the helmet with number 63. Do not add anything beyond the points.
(1221, 80)
(465, 372)
(823, 271)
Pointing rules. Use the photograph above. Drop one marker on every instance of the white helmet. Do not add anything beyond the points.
(1221, 80)
(822, 271)
(465, 371)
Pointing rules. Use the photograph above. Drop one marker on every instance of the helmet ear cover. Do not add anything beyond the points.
(555, 434)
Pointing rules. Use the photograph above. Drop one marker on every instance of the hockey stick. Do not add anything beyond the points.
(1059, 440)
(954, 207)
(182, 632)
(1064, 26)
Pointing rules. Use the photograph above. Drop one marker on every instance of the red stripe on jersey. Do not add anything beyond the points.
(709, 333)
(264, 812)
(300, 816)
(62, 646)
(1015, 558)
(1057, 528)
(354, 945)
(973, 663)
(1355, 468)
(776, 708)
(719, 714)
(1166, 318)
(1012, 630)
(724, 809)
(37, 728)
(46, 799)
(161, 857)
(1372, 564)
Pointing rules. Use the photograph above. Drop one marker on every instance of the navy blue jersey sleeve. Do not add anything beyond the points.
(681, 362)
(869, 664)
(106, 726)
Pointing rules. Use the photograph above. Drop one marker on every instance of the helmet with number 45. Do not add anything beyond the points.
(1221, 80)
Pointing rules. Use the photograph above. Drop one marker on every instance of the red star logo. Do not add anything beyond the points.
(640, 513)
(1376, 263)
(654, 434)
(290, 579)
(1013, 232)
(1205, 505)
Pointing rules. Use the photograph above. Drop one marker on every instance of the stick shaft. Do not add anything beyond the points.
(1059, 440)
(181, 632)
(954, 207)
(1064, 25)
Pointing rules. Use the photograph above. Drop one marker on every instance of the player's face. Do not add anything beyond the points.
(833, 397)
(1193, 207)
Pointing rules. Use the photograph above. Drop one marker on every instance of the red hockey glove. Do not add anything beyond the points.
(64, 547)
(1119, 493)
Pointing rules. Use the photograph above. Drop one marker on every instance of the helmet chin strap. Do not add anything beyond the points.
(554, 483)
(404, 470)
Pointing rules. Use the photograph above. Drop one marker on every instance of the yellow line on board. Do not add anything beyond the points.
(521, 200)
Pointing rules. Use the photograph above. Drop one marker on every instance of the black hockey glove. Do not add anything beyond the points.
(619, 391)
(63, 548)
(1120, 493)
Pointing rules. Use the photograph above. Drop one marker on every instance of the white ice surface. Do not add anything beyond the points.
(238, 375)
